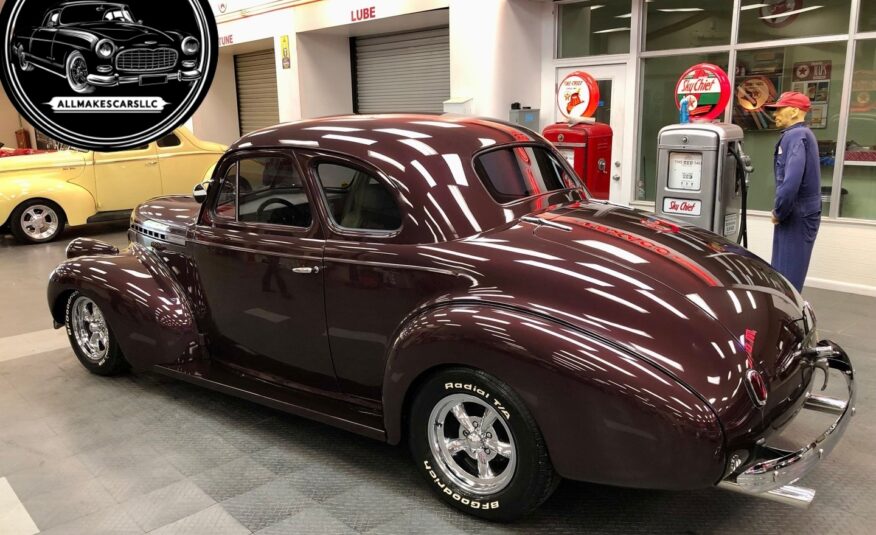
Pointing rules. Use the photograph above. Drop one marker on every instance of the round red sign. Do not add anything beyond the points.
(705, 89)
(578, 95)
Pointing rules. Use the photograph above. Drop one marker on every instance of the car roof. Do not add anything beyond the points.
(395, 143)
(427, 158)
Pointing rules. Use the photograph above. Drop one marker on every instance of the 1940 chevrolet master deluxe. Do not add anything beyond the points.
(449, 281)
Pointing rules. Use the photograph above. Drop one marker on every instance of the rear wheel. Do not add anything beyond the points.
(23, 64)
(37, 221)
(480, 448)
(93, 342)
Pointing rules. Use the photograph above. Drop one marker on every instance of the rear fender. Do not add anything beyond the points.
(145, 307)
(606, 416)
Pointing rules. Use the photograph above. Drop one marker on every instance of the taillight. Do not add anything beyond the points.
(757, 387)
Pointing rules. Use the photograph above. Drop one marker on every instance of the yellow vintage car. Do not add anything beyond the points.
(41, 193)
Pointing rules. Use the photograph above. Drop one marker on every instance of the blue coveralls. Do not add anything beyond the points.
(798, 202)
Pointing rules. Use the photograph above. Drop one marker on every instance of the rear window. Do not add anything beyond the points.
(515, 173)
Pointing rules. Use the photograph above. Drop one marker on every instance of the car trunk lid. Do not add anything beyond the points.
(688, 266)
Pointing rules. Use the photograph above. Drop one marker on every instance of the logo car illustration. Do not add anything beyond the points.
(101, 44)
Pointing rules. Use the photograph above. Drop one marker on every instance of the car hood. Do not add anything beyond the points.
(172, 214)
(694, 305)
(33, 162)
(121, 33)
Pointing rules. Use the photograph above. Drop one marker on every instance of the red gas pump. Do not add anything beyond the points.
(585, 143)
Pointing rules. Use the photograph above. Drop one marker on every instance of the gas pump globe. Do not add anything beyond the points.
(585, 143)
(702, 173)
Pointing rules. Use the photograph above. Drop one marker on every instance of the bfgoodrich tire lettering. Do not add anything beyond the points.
(478, 445)
(91, 337)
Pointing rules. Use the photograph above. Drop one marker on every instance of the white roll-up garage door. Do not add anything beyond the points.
(256, 75)
(405, 72)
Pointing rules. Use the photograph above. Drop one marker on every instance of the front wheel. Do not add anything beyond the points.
(93, 342)
(479, 447)
(77, 74)
(36, 221)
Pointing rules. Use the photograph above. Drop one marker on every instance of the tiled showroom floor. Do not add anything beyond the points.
(142, 453)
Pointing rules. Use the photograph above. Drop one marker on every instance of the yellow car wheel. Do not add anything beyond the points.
(37, 221)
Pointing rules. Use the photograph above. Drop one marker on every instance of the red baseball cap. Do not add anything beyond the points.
(793, 99)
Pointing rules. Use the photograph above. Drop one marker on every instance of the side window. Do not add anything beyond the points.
(515, 173)
(170, 140)
(270, 190)
(226, 206)
(356, 199)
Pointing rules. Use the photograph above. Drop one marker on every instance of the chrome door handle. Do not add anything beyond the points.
(306, 270)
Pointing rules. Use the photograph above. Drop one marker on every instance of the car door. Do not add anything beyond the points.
(127, 178)
(259, 256)
(182, 165)
(43, 38)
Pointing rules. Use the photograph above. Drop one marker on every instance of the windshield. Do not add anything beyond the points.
(96, 13)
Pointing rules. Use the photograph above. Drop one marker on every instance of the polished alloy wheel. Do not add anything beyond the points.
(40, 222)
(90, 329)
(473, 445)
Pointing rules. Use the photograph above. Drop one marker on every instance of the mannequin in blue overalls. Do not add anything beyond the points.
(797, 212)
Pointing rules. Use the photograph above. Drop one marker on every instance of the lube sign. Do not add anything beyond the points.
(368, 13)
(705, 90)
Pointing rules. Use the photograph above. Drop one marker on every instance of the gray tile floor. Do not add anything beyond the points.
(143, 453)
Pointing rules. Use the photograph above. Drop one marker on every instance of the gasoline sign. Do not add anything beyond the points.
(578, 95)
(705, 89)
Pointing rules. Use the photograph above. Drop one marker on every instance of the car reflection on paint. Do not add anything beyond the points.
(448, 280)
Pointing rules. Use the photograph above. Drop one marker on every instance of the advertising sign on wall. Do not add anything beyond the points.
(812, 78)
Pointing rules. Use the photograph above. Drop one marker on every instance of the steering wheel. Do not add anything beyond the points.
(286, 217)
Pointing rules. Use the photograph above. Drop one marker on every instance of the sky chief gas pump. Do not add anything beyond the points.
(584, 143)
(702, 172)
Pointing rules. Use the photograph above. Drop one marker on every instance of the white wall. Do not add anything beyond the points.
(8, 121)
(216, 118)
(324, 76)
(844, 257)
(495, 54)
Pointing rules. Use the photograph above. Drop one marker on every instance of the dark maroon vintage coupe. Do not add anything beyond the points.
(448, 281)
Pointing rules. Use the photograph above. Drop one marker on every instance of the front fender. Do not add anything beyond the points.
(145, 307)
(77, 202)
(606, 416)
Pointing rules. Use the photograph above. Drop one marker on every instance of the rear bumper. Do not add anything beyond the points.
(772, 472)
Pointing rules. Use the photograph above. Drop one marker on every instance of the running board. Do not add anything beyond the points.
(331, 411)
(103, 217)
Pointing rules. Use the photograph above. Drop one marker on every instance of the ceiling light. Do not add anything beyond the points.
(612, 30)
(752, 6)
(789, 13)
(624, 16)
(594, 8)
(680, 9)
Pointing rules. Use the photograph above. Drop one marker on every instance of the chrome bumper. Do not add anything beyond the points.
(113, 80)
(774, 471)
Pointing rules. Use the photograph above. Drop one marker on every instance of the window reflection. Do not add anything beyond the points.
(687, 24)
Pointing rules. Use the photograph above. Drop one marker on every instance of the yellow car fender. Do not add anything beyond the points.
(77, 202)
